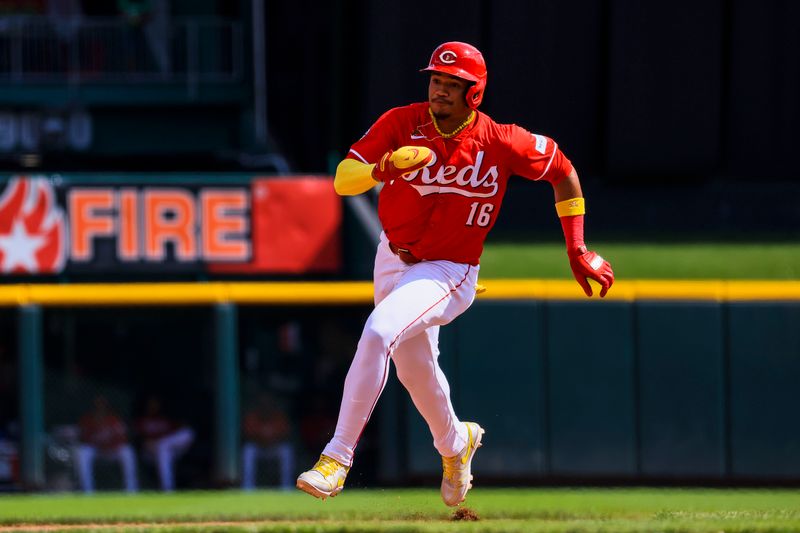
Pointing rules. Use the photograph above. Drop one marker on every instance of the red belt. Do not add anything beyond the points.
(404, 255)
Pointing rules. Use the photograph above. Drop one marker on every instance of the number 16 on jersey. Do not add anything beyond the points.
(483, 212)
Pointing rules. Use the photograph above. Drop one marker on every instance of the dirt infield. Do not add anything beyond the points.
(462, 513)
(465, 513)
(111, 526)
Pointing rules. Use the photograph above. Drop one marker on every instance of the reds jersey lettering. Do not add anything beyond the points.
(432, 211)
(472, 184)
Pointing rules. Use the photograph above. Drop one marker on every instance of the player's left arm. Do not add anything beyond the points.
(571, 207)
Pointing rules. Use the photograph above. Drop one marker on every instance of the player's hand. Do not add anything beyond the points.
(405, 159)
(586, 264)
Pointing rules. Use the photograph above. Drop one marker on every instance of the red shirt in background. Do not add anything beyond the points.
(106, 432)
(153, 427)
(266, 429)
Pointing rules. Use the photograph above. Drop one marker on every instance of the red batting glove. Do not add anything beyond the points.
(404, 160)
(586, 264)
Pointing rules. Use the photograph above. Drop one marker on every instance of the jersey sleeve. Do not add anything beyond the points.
(377, 140)
(537, 157)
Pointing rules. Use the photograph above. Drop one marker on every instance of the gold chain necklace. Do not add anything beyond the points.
(456, 131)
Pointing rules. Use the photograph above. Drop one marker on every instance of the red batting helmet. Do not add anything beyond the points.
(463, 61)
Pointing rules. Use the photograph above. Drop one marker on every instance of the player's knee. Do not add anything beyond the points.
(377, 336)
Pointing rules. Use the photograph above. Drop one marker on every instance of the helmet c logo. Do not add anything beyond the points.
(447, 57)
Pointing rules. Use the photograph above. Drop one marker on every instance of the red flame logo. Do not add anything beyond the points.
(32, 228)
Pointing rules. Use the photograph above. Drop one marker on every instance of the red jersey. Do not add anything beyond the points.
(266, 429)
(445, 210)
(106, 433)
(155, 426)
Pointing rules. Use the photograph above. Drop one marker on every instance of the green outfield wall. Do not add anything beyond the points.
(680, 382)
(645, 390)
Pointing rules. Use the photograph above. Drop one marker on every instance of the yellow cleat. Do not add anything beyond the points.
(457, 476)
(325, 479)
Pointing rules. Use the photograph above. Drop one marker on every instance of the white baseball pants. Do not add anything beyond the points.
(165, 450)
(252, 452)
(411, 302)
(84, 464)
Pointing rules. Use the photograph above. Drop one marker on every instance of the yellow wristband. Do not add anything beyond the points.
(571, 207)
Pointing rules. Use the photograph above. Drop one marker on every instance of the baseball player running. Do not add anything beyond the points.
(444, 166)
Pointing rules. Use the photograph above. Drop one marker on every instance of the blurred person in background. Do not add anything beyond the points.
(104, 435)
(163, 440)
(267, 436)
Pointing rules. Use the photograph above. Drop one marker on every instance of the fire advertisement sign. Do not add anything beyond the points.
(276, 225)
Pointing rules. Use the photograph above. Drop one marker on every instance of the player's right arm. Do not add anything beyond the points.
(356, 174)
(354, 177)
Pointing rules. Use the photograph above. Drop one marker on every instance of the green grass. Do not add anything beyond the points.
(777, 261)
(500, 510)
